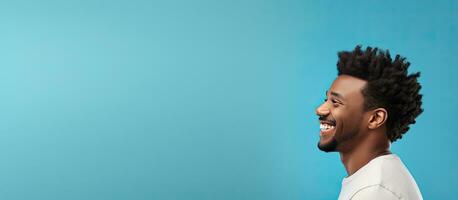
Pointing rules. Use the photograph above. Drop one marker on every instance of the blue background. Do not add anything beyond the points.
(205, 99)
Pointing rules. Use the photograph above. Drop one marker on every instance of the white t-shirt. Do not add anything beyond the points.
(383, 178)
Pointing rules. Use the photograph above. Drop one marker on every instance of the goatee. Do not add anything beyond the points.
(329, 147)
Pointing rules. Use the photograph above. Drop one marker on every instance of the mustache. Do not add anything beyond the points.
(323, 118)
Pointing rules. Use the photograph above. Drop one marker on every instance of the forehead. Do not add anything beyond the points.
(348, 86)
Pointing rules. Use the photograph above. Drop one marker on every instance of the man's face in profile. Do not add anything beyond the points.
(341, 116)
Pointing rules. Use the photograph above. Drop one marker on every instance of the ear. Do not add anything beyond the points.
(378, 118)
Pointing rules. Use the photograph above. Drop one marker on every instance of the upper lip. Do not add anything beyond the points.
(327, 122)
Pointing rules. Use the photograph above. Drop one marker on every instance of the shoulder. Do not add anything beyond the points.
(375, 192)
(384, 178)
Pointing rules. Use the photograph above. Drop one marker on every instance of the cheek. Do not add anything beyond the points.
(350, 120)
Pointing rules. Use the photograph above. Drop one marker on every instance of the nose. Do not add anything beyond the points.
(322, 110)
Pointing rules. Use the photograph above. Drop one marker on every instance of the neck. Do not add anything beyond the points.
(374, 145)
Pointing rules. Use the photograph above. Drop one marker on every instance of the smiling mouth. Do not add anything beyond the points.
(326, 128)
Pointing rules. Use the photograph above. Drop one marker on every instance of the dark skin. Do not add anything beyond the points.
(357, 134)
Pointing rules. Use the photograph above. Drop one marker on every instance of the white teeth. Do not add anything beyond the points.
(325, 127)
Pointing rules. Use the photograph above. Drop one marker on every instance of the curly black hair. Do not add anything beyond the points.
(388, 86)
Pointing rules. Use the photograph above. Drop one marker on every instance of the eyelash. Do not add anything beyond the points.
(334, 102)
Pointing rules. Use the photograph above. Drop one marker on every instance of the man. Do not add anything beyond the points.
(370, 104)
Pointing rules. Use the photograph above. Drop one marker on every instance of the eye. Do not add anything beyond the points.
(335, 103)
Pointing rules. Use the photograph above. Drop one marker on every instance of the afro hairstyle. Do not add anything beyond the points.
(388, 86)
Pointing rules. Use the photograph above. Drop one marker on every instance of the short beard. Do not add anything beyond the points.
(330, 147)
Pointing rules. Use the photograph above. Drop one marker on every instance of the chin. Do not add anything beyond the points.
(329, 146)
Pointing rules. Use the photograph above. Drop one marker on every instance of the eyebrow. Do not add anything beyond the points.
(336, 95)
